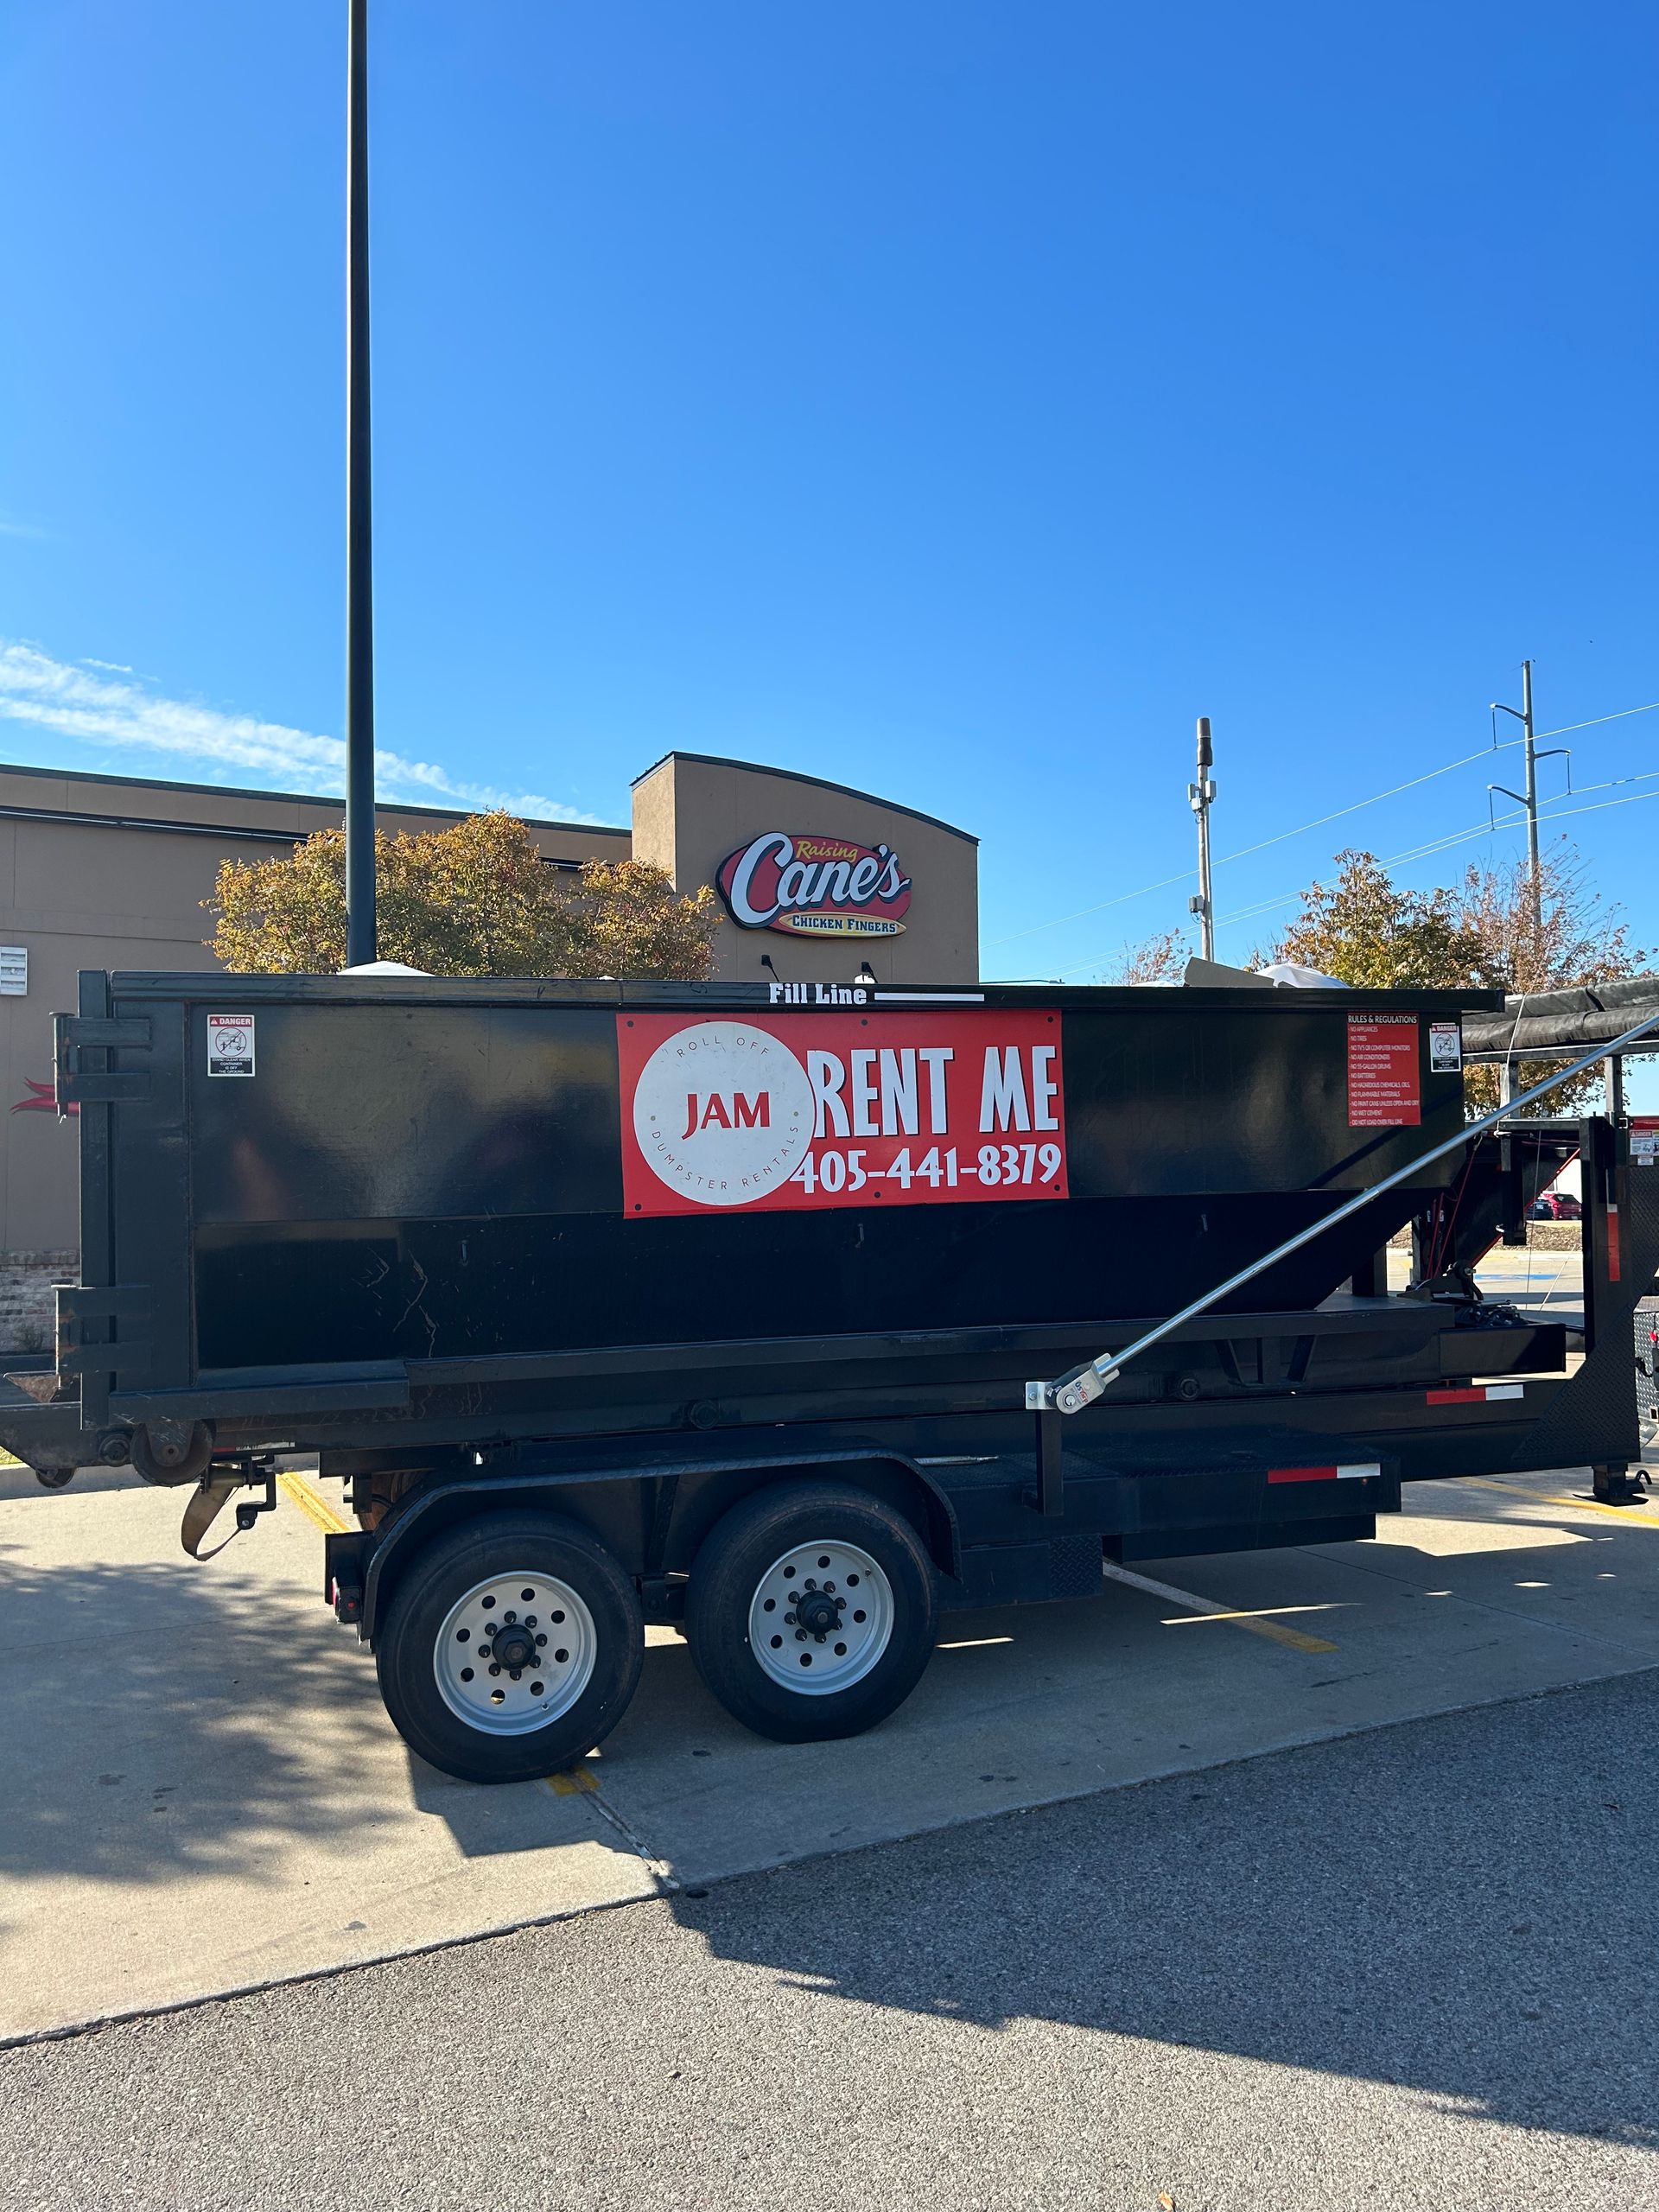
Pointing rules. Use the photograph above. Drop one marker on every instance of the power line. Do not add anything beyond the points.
(1127, 898)
(1414, 853)
(1124, 898)
(1652, 706)
(1461, 837)
(1184, 876)
(1484, 754)
(1395, 860)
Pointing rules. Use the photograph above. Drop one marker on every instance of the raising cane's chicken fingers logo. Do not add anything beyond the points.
(815, 886)
(805, 1112)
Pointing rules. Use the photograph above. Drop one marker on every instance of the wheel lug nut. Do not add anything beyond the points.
(513, 1673)
(789, 1620)
(495, 1669)
(800, 1635)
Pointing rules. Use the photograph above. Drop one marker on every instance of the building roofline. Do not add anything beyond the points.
(820, 783)
(230, 833)
(296, 798)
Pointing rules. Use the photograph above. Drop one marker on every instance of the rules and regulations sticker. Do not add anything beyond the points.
(1385, 1089)
(230, 1044)
(1446, 1047)
(776, 1112)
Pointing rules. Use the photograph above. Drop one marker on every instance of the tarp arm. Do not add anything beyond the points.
(1070, 1394)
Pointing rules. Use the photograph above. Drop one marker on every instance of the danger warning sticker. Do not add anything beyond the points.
(1385, 1089)
(1444, 1047)
(230, 1044)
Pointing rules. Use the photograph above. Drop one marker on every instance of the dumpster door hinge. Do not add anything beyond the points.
(88, 1317)
(74, 1033)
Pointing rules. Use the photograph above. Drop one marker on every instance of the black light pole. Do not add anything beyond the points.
(360, 935)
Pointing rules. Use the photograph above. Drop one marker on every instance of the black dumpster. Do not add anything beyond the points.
(313, 1171)
(717, 1306)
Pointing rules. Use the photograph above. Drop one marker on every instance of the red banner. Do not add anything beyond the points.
(1385, 1089)
(786, 1111)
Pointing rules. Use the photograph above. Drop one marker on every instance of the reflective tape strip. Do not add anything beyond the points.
(1478, 1394)
(1362, 1470)
(1612, 1244)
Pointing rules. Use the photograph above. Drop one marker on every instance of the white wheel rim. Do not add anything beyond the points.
(497, 1622)
(798, 1647)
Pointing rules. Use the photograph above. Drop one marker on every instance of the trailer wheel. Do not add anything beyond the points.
(810, 1611)
(511, 1646)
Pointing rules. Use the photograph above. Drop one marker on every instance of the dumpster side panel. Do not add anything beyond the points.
(431, 1179)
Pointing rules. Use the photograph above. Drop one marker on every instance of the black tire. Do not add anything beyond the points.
(440, 1579)
(727, 1580)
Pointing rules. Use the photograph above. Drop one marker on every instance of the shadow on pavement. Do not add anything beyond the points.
(210, 1720)
(1455, 1906)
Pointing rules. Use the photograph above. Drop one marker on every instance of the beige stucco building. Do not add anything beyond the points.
(110, 872)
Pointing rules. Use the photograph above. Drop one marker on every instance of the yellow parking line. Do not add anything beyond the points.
(1276, 1632)
(1206, 1608)
(315, 1509)
(1577, 1504)
(1259, 1613)
(577, 1782)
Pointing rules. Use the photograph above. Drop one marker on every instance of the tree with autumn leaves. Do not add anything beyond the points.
(1485, 932)
(1480, 933)
(476, 898)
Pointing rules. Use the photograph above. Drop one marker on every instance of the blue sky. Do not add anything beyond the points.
(952, 400)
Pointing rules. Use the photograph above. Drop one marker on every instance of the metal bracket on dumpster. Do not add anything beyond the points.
(87, 1315)
(72, 1033)
(1072, 1392)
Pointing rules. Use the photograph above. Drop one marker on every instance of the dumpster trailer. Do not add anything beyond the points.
(740, 1308)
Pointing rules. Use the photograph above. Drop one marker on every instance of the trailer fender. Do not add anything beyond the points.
(681, 1501)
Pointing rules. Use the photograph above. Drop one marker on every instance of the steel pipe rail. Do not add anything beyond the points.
(1071, 1393)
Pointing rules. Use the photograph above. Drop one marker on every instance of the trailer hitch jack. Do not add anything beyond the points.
(1619, 1485)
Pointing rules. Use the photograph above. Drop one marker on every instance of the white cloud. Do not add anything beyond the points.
(56, 695)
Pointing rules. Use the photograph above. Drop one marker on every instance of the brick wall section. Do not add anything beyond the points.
(27, 1316)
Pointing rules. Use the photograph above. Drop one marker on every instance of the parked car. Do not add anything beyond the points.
(1555, 1205)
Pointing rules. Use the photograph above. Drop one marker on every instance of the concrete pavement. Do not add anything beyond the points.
(208, 1797)
(1538, 1281)
(1410, 1968)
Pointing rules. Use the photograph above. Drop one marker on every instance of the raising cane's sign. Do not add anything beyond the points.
(814, 886)
(778, 1111)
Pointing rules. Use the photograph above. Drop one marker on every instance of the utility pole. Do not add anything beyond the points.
(1528, 798)
(1200, 797)
(360, 932)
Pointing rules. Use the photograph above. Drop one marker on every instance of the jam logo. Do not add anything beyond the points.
(775, 1111)
(815, 886)
(722, 1113)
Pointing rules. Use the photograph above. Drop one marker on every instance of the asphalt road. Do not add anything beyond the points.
(1408, 1968)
